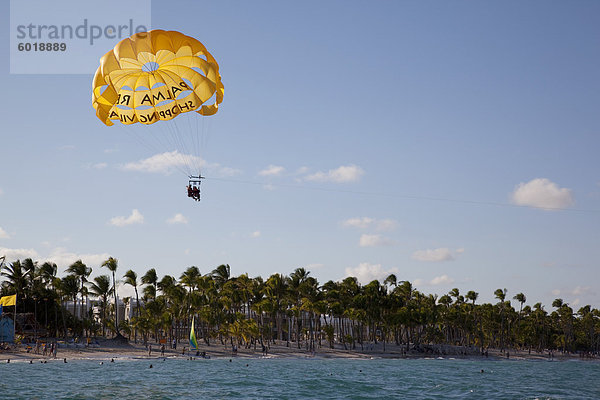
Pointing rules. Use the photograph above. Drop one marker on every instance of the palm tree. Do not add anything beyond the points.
(101, 288)
(30, 268)
(391, 280)
(48, 272)
(69, 287)
(244, 287)
(472, 296)
(190, 278)
(275, 290)
(150, 278)
(47, 275)
(501, 295)
(82, 272)
(130, 278)
(16, 276)
(112, 265)
(296, 281)
(221, 274)
(520, 297)
(565, 324)
(166, 284)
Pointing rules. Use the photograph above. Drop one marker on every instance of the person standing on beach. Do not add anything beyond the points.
(149, 350)
(55, 349)
(162, 350)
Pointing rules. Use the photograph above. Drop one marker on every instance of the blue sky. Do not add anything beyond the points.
(426, 139)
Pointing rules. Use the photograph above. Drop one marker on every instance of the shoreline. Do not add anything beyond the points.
(108, 349)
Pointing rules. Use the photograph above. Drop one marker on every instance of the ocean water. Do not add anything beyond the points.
(301, 378)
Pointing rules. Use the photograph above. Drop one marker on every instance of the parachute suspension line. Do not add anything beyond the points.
(155, 146)
(160, 133)
(197, 139)
(172, 137)
(194, 138)
(200, 124)
(206, 130)
(198, 135)
(184, 146)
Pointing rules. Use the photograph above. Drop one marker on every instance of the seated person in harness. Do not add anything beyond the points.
(193, 187)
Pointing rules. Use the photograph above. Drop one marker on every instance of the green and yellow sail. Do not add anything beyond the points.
(193, 341)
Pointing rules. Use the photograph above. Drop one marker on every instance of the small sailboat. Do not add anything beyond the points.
(193, 341)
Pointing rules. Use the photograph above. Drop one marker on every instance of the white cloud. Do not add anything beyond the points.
(374, 240)
(177, 219)
(100, 165)
(542, 193)
(438, 280)
(255, 234)
(135, 218)
(17, 254)
(441, 280)
(581, 290)
(362, 222)
(64, 258)
(272, 170)
(386, 225)
(379, 225)
(4, 234)
(575, 303)
(343, 174)
(164, 163)
(436, 255)
(556, 292)
(366, 272)
(59, 255)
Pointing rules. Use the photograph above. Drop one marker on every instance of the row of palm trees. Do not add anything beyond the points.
(293, 309)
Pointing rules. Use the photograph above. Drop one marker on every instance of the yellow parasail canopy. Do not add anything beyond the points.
(154, 76)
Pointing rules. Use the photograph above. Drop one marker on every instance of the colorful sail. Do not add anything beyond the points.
(193, 341)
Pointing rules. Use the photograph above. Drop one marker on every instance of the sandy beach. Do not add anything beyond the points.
(107, 350)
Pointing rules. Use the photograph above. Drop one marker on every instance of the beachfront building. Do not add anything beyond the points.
(130, 308)
(122, 310)
(79, 309)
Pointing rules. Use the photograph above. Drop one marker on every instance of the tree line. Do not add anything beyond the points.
(293, 309)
